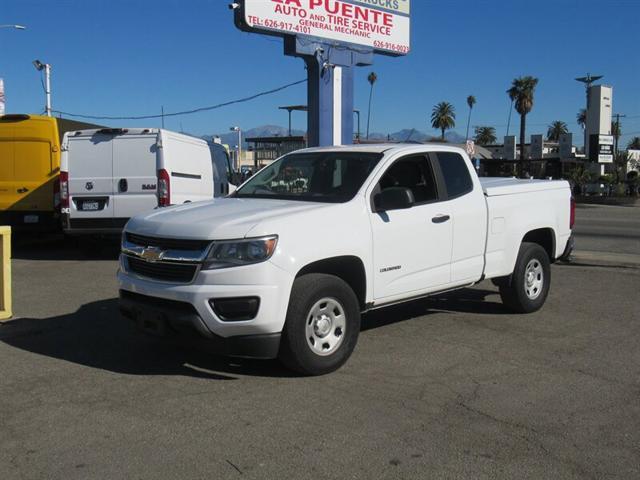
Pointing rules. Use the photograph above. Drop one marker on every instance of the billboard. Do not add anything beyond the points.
(381, 25)
(2, 100)
(601, 148)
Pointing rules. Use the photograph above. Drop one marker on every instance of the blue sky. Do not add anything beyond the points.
(129, 57)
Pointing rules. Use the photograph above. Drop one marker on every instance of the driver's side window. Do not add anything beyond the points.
(414, 173)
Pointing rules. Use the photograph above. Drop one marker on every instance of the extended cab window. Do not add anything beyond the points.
(414, 173)
(456, 174)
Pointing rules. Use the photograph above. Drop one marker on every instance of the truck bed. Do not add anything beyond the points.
(496, 186)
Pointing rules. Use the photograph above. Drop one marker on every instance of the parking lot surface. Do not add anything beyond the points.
(450, 387)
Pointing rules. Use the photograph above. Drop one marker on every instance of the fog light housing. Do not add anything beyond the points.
(240, 309)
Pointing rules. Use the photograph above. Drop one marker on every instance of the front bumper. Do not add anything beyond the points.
(268, 283)
(168, 318)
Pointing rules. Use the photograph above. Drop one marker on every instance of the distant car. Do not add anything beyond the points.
(285, 266)
(109, 175)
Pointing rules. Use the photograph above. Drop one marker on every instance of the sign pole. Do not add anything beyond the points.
(330, 73)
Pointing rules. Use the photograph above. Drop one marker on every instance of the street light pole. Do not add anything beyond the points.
(47, 79)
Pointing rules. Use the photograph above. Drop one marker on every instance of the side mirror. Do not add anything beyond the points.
(394, 198)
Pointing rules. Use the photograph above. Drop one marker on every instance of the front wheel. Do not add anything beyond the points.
(529, 286)
(322, 325)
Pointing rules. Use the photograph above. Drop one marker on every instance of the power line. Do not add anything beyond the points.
(185, 112)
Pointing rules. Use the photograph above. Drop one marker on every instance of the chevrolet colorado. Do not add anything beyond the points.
(286, 265)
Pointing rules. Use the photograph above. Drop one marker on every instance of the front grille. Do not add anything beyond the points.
(168, 272)
(167, 243)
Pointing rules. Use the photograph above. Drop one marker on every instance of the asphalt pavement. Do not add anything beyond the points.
(450, 387)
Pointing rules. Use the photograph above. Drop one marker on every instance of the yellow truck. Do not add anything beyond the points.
(30, 170)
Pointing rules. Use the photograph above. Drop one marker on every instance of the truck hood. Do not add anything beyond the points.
(222, 219)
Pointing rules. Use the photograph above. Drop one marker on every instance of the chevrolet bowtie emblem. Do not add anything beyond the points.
(152, 254)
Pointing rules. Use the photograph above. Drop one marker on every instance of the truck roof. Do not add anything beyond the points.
(387, 148)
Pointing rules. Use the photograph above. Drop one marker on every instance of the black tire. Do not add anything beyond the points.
(296, 348)
(521, 295)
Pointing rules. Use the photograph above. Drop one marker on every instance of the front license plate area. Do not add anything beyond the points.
(31, 219)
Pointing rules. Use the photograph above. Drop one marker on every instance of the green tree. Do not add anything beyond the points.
(556, 129)
(522, 94)
(485, 135)
(471, 101)
(372, 79)
(634, 144)
(581, 117)
(443, 117)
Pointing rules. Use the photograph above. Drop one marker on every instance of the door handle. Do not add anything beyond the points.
(441, 219)
(123, 185)
(23, 190)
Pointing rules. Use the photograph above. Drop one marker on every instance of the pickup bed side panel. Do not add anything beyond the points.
(511, 217)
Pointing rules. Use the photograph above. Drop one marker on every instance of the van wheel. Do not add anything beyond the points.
(322, 325)
(529, 286)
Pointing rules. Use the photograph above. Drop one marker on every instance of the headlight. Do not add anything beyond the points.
(240, 252)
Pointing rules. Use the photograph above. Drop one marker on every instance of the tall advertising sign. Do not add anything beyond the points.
(2, 100)
(510, 147)
(383, 26)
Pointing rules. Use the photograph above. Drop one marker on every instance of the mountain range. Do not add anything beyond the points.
(405, 135)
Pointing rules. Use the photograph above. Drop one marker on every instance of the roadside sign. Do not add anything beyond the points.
(383, 26)
(601, 148)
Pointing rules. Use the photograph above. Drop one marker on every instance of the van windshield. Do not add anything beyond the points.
(329, 177)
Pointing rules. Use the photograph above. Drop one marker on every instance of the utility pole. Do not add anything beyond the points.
(616, 151)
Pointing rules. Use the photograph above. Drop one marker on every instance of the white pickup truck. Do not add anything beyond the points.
(287, 264)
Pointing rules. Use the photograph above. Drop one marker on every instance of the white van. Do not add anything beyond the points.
(109, 175)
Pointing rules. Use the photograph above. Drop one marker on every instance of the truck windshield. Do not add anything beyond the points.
(329, 177)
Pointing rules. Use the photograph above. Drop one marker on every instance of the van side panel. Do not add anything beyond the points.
(134, 174)
(189, 164)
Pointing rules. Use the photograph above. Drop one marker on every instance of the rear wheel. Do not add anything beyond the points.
(322, 325)
(529, 285)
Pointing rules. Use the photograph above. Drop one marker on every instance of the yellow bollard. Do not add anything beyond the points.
(5, 278)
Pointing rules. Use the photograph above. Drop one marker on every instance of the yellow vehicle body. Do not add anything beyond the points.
(30, 169)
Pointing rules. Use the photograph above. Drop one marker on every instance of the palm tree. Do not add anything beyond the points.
(521, 93)
(372, 79)
(471, 101)
(443, 117)
(582, 118)
(556, 129)
(634, 144)
(485, 135)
